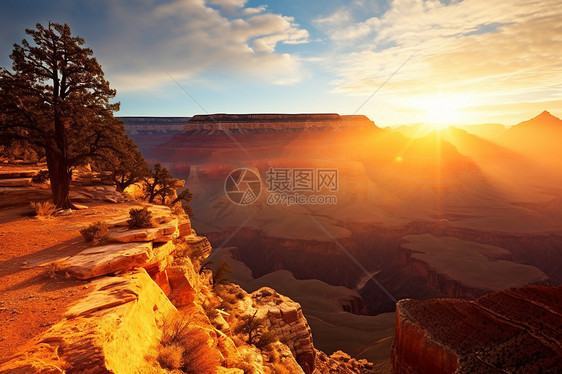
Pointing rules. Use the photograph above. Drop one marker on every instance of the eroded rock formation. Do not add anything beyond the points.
(516, 330)
(141, 283)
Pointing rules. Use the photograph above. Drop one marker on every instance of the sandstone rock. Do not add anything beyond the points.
(184, 283)
(517, 330)
(160, 252)
(18, 174)
(10, 196)
(15, 182)
(184, 225)
(108, 259)
(341, 363)
(110, 331)
(163, 233)
(161, 279)
(228, 350)
(286, 358)
(289, 324)
(199, 244)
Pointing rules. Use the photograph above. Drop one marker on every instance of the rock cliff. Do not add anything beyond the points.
(516, 330)
(237, 124)
(152, 297)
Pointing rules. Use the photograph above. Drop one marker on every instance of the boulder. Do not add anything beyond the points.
(184, 282)
(161, 279)
(184, 225)
(162, 233)
(108, 259)
(109, 331)
(289, 324)
(10, 196)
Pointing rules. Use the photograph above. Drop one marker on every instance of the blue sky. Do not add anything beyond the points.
(470, 61)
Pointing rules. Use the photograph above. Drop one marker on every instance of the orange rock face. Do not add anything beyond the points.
(516, 330)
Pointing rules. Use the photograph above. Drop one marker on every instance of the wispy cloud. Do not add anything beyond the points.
(193, 36)
(490, 51)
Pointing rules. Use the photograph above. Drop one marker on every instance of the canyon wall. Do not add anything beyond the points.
(516, 330)
(236, 124)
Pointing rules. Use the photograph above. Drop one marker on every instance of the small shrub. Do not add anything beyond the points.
(227, 296)
(253, 327)
(174, 331)
(171, 356)
(210, 308)
(266, 338)
(41, 177)
(221, 273)
(199, 357)
(96, 233)
(56, 269)
(140, 218)
(43, 209)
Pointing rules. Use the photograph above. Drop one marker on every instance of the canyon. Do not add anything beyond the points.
(479, 187)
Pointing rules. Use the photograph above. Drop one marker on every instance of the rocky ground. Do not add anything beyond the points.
(139, 302)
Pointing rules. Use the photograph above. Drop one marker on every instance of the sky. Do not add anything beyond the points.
(396, 61)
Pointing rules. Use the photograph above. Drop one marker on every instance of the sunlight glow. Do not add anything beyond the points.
(442, 111)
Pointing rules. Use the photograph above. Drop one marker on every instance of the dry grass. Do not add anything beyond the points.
(171, 356)
(185, 347)
(97, 233)
(43, 209)
(56, 269)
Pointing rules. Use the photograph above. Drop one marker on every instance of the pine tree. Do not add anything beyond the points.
(56, 97)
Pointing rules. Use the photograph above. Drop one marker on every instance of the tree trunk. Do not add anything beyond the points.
(60, 178)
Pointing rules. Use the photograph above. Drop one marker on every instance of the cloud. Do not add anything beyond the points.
(190, 38)
(489, 51)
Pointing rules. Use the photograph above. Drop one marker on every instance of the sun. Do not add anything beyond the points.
(442, 111)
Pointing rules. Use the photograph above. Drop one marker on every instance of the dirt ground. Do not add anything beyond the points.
(32, 297)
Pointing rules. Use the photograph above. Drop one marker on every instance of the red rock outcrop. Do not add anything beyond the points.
(516, 330)
(289, 324)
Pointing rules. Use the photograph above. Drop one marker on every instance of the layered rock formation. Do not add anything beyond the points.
(516, 330)
(239, 124)
(143, 281)
(154, 125)
(461, 268)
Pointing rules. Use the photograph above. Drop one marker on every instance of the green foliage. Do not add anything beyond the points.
(56, 99)
(20, 150)
(96, 233)
(125, 167)
(140, 218)
(43, 209)
(255, 328)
